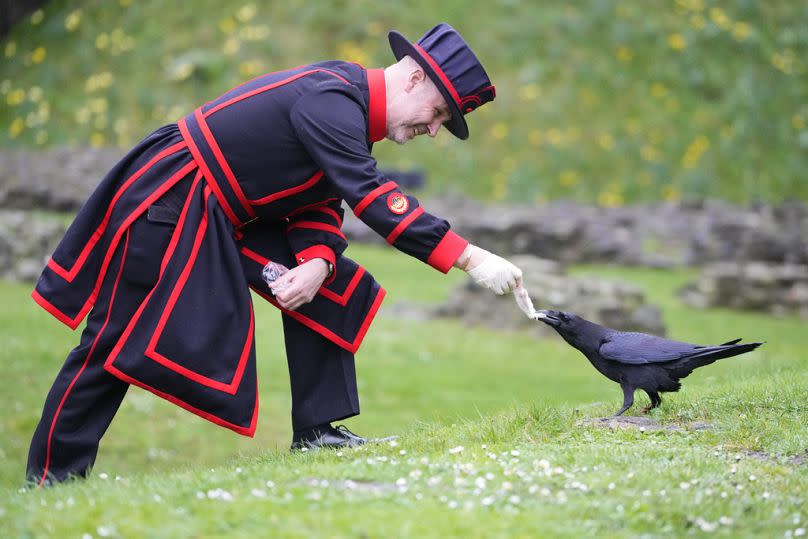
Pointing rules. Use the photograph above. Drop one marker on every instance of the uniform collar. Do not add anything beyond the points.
(377, 106)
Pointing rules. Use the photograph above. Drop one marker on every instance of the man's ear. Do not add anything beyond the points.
(415, 78)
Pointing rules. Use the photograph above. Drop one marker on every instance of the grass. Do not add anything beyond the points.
(608, 101)
(491, 444)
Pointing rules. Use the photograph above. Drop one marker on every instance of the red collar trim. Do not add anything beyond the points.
(377, 108)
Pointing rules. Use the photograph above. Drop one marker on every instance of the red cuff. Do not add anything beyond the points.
(319, 251)
(447, 252)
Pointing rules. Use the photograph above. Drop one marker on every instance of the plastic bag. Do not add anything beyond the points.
(272, 272)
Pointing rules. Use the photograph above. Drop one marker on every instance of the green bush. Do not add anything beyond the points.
(599, 100)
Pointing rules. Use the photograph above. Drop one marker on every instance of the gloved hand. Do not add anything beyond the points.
(493, 271)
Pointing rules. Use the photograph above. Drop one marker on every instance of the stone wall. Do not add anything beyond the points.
(659, 234)
(778, 289)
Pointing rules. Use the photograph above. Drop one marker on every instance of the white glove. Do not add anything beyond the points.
(496, 273)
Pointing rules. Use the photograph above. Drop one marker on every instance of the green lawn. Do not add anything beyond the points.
(490, 443)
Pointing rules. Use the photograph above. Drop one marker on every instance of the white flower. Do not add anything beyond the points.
(514, 452)
(270, 484)
(258, 493)
(725, 521)
(103, 475)
(456, 450)
(401, 482)
(611, 486)
(488, 500)
(105, 531)
(684, 486)
(220, 494)
(514, 499)
(402, 452)
(393, 443)
(480, 482)
(799, 532)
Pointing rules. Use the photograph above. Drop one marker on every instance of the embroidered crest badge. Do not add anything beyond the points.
(398, 203)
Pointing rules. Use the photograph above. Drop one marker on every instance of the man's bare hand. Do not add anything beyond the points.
(300, 284)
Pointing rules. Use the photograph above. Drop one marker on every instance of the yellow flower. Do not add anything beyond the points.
(698, 22)
(250, 68)
(677, 41)
(34, 94)
(534, 137)
(16, 127)
(73, 20)
(694, 151)
(37, 16)
(671, 193)
(798, 122)
(124, 3)
(624, 54)
(38, 55)
(740, 31)
(231, 46)
(97, 139)
(610, 199)
(11, 49)
(726, 131)
(644, 178)
(529, 92)
(499, 131)
(588, 97)
(255, 33)
(102, 41)
(227, 25)
(658, 90)
(41, 137)
(555, 137)
(720, 18)
(246, 12)
(568, 178)
(352, 52)
(508, 164)
(605, 141)
(15, 97)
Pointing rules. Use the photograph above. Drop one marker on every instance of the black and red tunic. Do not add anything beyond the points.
(269, 164)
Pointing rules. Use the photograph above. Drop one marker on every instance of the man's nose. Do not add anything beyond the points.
(433, 128)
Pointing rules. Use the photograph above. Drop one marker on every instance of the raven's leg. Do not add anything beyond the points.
(628, 399)
(656, 400)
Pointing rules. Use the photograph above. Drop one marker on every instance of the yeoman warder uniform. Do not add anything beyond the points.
(162, 257)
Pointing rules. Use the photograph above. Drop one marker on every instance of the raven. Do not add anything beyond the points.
(637, 360)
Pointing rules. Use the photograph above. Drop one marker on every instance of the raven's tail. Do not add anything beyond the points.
(708, 354)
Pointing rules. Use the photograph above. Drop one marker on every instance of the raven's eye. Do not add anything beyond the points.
(564, 317)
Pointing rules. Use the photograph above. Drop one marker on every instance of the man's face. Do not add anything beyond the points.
(418, 110)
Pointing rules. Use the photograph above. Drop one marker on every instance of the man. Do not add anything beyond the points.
(162, 254)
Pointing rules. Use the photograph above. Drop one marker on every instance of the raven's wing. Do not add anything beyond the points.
(639, 348)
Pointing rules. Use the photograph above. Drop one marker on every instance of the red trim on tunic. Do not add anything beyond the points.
(168, 184)
(319, 251)
(84, 365)
(228, 173)
(69, 275)
(307, 207)
(316, 251)
(246, 431)
(400, 227)
(327, 333)
(235, 221)
(291, 191)
(342, 299)
(262, 89)
(447, 252)
(373, 195)
(377, 107)
(151, 351)
(441, 75)
(316, 226)
(331, 212)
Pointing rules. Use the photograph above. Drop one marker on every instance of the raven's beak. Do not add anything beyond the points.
(548, 317)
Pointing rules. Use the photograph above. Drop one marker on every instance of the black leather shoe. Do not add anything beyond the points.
(326, 436)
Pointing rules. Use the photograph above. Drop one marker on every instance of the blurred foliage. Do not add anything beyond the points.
(610, 101)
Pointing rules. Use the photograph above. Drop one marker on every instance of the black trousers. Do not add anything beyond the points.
(84, 397)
